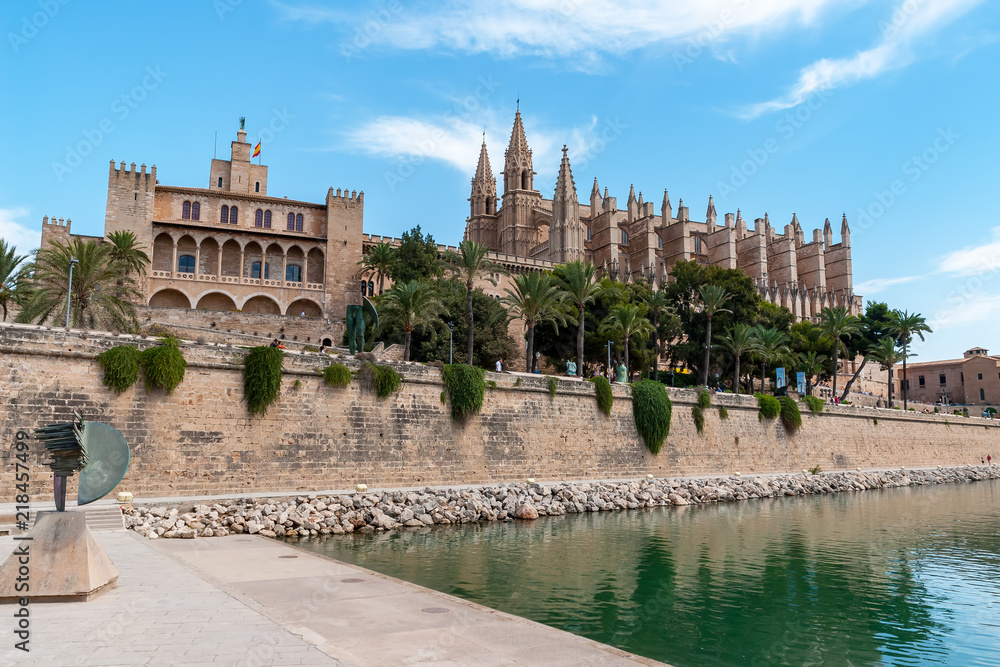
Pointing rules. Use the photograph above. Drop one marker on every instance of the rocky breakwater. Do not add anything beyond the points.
(311, 515)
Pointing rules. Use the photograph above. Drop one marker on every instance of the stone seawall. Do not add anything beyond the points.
(201, 441)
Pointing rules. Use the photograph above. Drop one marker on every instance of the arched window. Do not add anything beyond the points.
(267, 219)
(524, 180)
(258, 218)
(291, 222)
(624, 237)
(588, 233)
(364, 287)
(293, 273)
(659, 242)
(489, 205)
(196, 211)
(256, 187)
(697, 245)
(234, 215)
(982, 394)
(298, 222)
(224, 218)
(186, 211)
(185, 264)
(255, 270)
(220, 181)
(371, 288)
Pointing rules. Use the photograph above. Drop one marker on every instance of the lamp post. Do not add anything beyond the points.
(451, 347)
(69, 290)
(609, 356)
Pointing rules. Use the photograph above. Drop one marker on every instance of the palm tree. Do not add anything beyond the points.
(577, 280)
(470, 262)
(772, 345)
(9, 261)
(904, 326)
(888, 356)
(627, 319)
(713, 298)
(837, 323)
(657, 305)
(810, 363)
(102, 295)
(127, 255)
(739, 340)
(379, 258)
(536, 298)
(413, 304)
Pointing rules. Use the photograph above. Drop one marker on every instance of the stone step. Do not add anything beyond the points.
(99, 518)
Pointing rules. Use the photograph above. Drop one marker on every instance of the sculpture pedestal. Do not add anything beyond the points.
(65, 562)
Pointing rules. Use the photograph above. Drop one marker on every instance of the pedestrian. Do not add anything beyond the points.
(989, 460)
(500, 365)
(322, 349)
(275, 343)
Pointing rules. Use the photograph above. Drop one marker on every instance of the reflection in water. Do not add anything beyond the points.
(902, 577)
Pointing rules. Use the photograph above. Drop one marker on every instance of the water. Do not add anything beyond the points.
(899, 577)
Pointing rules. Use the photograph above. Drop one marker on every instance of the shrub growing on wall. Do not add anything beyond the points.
(651, 409)
(262, 370)
(120, 366)
(704, 399)
(466, 388)
(337, 375)
(163, 365)
(379, 378)
(790, 415)
(815, 403)
(699, 418)
(605, 399)
(769, 406)
(723, 412)
(553, 385)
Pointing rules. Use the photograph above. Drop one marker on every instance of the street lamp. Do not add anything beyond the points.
(451, 347)
(69, 290)
(609, 356)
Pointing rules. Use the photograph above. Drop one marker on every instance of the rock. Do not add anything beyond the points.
(526, 511)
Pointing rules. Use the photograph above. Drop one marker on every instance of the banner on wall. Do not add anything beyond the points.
(780, 372)
(800, 380)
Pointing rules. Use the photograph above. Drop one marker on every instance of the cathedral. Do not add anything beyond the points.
(636, 242)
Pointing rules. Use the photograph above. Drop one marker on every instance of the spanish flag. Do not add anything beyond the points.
(256, 150)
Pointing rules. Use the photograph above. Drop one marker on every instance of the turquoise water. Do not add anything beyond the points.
(899, 577)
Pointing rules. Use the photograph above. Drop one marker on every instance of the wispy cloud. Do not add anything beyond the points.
(876, 285)
(17, 233)
(964, 313)
(910, 21)
(974, 260)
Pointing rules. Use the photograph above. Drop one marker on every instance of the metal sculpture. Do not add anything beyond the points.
(356, 324)
(570, 368)
(95, 449)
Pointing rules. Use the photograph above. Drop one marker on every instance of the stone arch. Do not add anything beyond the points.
(327, 342)
(209, 262)
(186, 246)
(216, 301)
(252, 252)
(295, 257)
(231, 258)
(163, 253)
(307, 306)
(262, 304)
(275, 256)
(169, 298)
(317, 266)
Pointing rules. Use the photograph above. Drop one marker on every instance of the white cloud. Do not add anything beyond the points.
(963, 311)
(877, 285)
(910, 21)
(582, 28)
(24, 236)
(974, 260)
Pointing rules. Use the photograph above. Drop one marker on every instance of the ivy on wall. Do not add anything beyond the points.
(651, 409)
(466, 388)
(262, 369)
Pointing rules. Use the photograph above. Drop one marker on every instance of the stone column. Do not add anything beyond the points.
(242, 265)
(197, 261)
(284, 267)
(173, 266)
(218, 267)
(305, 269)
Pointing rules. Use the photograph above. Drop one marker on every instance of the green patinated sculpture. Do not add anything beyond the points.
(570, 368)
(356, 324)
(622, 373)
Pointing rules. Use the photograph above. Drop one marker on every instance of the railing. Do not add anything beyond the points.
(235, 280)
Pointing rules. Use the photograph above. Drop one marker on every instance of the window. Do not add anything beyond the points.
(961, 377)
(196, 211)
(942, 379)
(624, 237)
(982, 394)
(371, 288)
(224, 218)
(255, 270)
(659, 242)
(291, 222)
(220, 181)
(980, 376)
(920, 380)
(588, 232)
(186, 211)
(298, 222)
(293, 273)
(364, 287)
(697, 245)
(185, 264)
(267, 219)
(258, 218)
(256, 187)
(233, 215)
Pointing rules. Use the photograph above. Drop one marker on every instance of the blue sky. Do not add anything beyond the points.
(883, 110)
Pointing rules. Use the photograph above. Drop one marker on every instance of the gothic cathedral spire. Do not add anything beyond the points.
(484, 186)
(566, 238)
(517, 169)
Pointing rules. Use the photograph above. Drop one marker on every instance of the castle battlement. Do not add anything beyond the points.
(53, 222)
(138, 174)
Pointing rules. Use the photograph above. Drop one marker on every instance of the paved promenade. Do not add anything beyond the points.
(250, 601)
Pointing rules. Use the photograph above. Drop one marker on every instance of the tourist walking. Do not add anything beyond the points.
(500, 365)
(989, 460)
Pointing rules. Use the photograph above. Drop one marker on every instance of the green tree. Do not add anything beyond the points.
(739, 339)
(379, 260)
(98, 300)
(577, 280)
(416, 258)
(905, 326)
(811, 364)
(837, 323)
(412, 305)
(535, 299)
(9, 263)
(713, 299)
(887, 355)
(876, 323)
(659, 312)
(626, 320)
(127, 255)
(772, 345)
(470, 263)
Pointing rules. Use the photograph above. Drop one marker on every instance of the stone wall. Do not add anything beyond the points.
(200, 440)
(219, 326)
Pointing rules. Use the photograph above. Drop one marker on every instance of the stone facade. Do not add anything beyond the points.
(803, 275)
(972, 380)
(201, 440)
